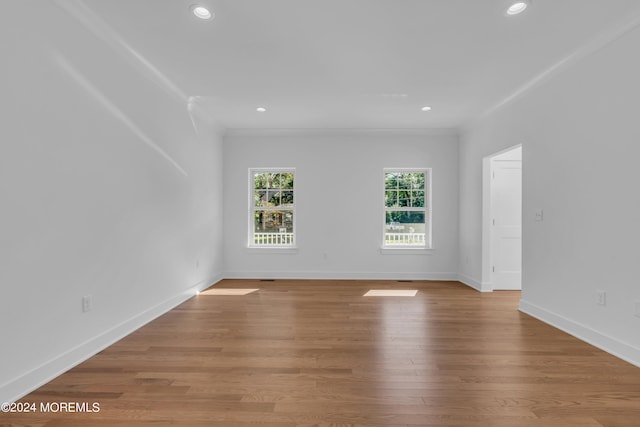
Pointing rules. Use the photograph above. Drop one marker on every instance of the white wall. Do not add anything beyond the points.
(339, 203)
(580, 134)
(106, 188)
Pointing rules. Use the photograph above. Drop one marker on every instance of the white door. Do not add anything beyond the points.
(506, 227)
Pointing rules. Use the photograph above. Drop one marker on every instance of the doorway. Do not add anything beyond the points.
(503, 220)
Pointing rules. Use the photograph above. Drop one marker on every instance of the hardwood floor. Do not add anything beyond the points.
(318, 353)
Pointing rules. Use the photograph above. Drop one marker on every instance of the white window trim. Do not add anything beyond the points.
(427, 249)
(251, 223)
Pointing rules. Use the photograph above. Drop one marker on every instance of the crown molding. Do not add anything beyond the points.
(602, 40)
(340, 132)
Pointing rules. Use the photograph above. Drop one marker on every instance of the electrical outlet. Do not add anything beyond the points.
(539, 215)
(601, 297)
(637, 304)
(87, 304)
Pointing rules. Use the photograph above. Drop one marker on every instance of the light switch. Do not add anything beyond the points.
(539, 215)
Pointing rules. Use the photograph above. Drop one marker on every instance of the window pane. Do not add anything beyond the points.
(418, 199)
(405, 217)
(276, 180)
(260, 181)
(259, 198)
(417, 181)
(404, 181)
(390, 181)
(287, 198)
(272, 198)
(273, 228)
(391, 198)
(287, 180)
(279, 221)
(272, 180)
(405, 228)
(404, 199)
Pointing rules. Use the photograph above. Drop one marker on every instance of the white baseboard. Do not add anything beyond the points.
(339, 275)
(610, 345)
(475, 284)
(26, 383)
(208, 283)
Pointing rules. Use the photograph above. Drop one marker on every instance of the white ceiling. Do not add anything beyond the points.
(356, 63)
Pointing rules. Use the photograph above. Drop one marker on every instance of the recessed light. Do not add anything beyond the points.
(517, 7)
(201, 12)
(426, 108)
(261, 109)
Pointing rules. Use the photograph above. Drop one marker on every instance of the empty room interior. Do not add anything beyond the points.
(320, 213)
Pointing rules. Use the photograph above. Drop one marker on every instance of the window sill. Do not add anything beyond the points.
(272, 250)
(406, 251)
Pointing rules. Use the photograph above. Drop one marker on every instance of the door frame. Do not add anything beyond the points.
(486, 284)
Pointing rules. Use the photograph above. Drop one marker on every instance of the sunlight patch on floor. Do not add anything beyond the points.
(391, 293)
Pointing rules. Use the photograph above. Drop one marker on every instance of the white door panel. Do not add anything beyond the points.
(506, 233)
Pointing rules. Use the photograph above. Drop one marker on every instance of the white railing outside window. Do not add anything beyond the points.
(272, 239)
(404, 238)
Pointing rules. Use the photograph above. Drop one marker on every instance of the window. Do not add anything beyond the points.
(407, 219)
(272, 216)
